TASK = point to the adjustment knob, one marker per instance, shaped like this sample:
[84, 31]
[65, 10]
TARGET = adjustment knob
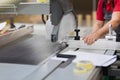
[77, 37]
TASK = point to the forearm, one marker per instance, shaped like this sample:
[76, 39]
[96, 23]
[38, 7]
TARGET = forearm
[97, 26]
[105, 29]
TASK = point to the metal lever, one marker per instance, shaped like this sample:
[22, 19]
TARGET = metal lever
[110, 35]
[110, 30]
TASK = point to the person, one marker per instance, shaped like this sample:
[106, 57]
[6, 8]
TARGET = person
[108, 13]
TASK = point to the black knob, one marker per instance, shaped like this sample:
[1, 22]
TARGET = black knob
[77, 37]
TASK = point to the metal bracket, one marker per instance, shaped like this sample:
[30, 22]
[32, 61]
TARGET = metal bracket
[54, 34]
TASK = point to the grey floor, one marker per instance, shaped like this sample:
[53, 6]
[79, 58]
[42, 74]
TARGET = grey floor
[31, 49]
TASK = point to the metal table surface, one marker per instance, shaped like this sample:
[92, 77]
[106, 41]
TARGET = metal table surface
[33, 49]
[51, 70]
[59, 74]
[30, 49]
[68, 74]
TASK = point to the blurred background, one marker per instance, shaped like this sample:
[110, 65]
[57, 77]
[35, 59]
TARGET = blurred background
[86, 13]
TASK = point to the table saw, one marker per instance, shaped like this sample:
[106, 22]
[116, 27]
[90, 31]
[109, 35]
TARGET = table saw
[29, 58]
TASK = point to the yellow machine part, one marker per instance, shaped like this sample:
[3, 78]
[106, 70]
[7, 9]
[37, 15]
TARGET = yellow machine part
[42, 1]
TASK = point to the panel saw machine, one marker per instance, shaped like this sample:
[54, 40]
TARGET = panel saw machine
[60, 28]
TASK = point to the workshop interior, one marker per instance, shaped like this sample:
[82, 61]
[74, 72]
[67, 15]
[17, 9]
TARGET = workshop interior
[42, 40]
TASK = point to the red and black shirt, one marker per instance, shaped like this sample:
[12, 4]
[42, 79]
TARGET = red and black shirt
[109, 8]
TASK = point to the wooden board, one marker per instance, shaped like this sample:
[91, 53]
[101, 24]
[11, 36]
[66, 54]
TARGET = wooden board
[13, 35]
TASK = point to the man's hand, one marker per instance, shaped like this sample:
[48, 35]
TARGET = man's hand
[91, 38]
